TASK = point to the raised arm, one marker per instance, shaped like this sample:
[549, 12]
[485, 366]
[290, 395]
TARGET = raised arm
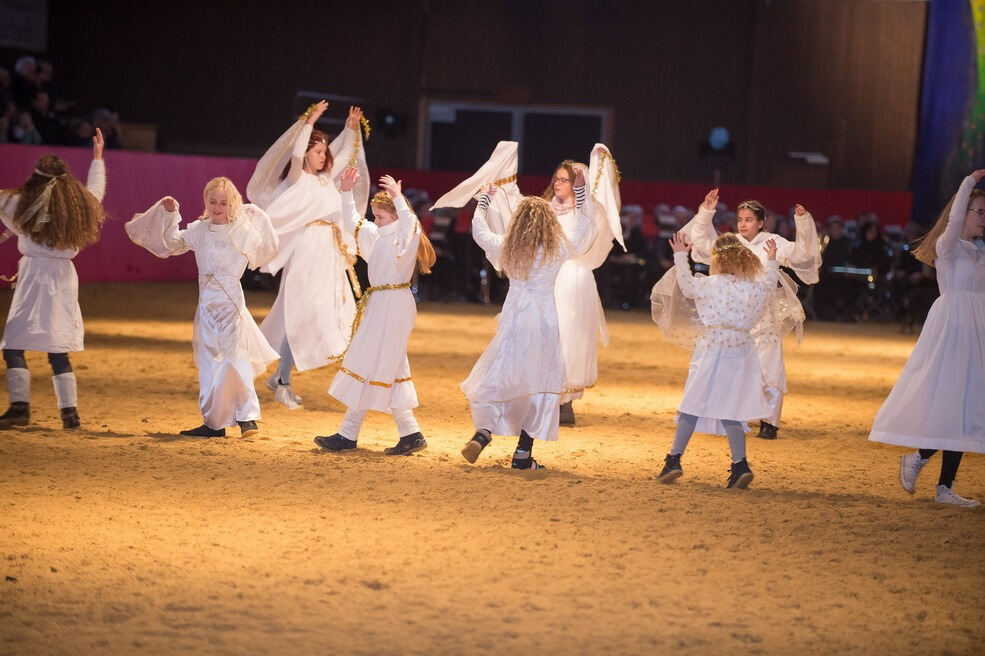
[772, 274]
[364, 232]
[96, 181]
[700, 231]
[803, 255]
[487, 240]
[583, 232]
[346, 146]
[157, 229]
[682, 269]
[955, 219]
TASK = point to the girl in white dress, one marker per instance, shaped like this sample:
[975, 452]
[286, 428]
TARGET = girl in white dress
[803, 256]
[295, 184]
[375, 373]
[581, 318]
[54, 217]
[936, 404]
[514, 387]
[724, 381]
[230, 351]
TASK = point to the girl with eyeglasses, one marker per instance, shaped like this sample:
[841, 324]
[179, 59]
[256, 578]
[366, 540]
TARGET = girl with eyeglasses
[936, 404]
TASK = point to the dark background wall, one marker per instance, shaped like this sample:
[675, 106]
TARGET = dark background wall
[837, 76]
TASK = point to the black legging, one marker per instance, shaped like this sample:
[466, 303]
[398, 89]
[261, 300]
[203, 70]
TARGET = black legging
[14, 358]
[949, 464]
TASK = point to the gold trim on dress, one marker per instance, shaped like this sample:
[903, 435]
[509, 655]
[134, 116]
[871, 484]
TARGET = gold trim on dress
[598, 174]
[375, 383]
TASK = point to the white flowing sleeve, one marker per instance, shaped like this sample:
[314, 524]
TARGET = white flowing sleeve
[364, 232]
[263, 184]
[685, 279]
[157, 231]
[489, 241]
[96, 181]
[253, 235]
[672, 309]
[606, 199]
[700, 233]
[347, 150]
[803, 255]
[955, 220]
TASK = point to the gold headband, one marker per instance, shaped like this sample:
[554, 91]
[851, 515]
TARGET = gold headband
[383, 199]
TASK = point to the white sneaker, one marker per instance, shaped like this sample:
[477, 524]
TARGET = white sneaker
[909, 468]
[947, 495]
[286, 395]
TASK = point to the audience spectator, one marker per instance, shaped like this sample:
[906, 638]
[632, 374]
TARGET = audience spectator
[24, 131]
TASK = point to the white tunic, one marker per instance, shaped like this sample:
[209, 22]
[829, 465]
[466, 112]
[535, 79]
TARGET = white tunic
[315, 305]
[517, 381]
[581, 318]
[937, 402]
[375, 373]
[230, 351]
[44, 313]
[803, 256]
[724, 379]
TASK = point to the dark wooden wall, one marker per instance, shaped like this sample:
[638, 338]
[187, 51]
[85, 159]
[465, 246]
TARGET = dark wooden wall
[839, 76]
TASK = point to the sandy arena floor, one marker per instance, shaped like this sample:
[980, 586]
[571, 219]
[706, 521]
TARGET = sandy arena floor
[125, 538]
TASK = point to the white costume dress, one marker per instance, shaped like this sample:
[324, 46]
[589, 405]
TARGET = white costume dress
[230, 351]
[44, 313]
[375, 373]
[803, 256]
[517, 381]
[724, 379]
[937, 401]
[315, 307]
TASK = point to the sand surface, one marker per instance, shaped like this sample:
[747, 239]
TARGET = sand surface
[125, 538]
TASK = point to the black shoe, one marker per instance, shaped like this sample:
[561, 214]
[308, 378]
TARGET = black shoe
[335, 442]
[740, 476]
[567, 415]
[248, 428]
[672, 469]
[204, 431]
[18, 414]
[475, 446]
[407, 445]
[526, 462]
[70, 418]
[767, 431]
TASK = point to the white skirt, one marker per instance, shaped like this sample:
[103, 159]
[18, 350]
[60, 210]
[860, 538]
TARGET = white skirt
[315, 306]
[44, 313]
[724, 382]
[581, 321]
[937, 402]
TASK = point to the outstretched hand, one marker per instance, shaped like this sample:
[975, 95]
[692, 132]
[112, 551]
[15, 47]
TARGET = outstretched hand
[97, 144]
[391, 185]
[579, 178]
[169, 203]
[978, 175]
[711, 200]
[678, 244]
[770, 246]
[349, 178]
[318, 110]
[489, 189]
[355, 114]
[799, 210]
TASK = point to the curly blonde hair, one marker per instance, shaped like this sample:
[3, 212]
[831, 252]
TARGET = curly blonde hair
[233, 197]
[926, 246]
[729, 255]
[534, 231]
[73, 217]
[426, 257]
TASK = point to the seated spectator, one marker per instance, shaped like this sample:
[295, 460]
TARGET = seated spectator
[48, 124]
[24, 131]
[78, 132]
[25, 82]
[835, 293]
[109, 123]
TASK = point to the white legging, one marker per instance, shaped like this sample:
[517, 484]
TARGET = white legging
[353, 420]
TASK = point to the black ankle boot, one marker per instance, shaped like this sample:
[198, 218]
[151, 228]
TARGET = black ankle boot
[407, 445]
[566, 416]
[767, 431]
[474, 447]
[672, 469]
[70, 418]
[204, 431]
[18, 414]
[248, 428]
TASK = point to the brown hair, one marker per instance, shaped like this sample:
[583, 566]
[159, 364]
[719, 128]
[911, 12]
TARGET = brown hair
[729, 255]
[755, 207]
[569, 166]
[534, 228]
[72, 217]
[926, 246]
[426, 256]
[317, 137]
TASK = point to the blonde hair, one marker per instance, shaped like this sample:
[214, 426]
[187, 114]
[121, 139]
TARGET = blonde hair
[426, 256]
[71, 217]
[729, 255]
[926, 246]
[232, 195]
[534, 229]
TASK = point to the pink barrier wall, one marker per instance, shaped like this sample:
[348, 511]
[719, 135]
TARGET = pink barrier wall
[136, 180]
